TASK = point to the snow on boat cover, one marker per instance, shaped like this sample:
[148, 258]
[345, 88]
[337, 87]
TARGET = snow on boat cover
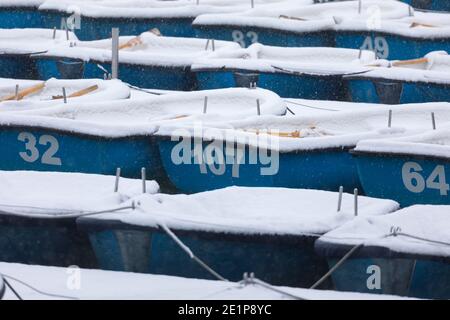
[99, 284]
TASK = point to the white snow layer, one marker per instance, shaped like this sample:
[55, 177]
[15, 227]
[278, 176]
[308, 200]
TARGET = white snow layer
[98, 284]
[52, 94]
[33, 193]
[142, 116]
[251, 211]
[424, 221]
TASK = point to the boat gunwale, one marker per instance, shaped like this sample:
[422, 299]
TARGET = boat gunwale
[387, 154]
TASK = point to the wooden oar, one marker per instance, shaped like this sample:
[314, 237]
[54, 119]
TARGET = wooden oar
[418, 24]
[25, 92]
[410, 62]
[292, 18]
[79, 93]
[136, 41]
[293, 134]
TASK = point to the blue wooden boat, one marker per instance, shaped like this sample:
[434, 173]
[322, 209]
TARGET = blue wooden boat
[20, 14]
[400, 263]
[290, 72]
[94, 20]
[146, 61]
[38, 212]
[416, 168]
[17, 46]
[408, 81]
[295, 152]
[290, 24]
[435, 5]
[409, 37]
[274, 241]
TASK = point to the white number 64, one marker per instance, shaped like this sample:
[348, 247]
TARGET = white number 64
[415, 182]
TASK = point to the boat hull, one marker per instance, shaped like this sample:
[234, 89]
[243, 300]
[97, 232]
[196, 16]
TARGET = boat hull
[316, 169]
[399, 274]
[303, 86]
[156, 77]
[246, 36]
[45, 149]
[385, 91]
[17, 66]
[279, 260]
[100, 28]
[407, 179]
[20, 17]
[39, 241]
[435, 5]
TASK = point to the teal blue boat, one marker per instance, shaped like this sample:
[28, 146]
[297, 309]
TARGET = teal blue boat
[20, 14]
[265, 234]
[405, 253]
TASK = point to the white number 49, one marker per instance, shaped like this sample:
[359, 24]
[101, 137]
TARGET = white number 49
[415, 182]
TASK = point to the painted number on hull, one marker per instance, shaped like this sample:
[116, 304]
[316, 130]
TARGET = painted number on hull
[379, 45]
[239, 37]
[416, 183]
[31, 153]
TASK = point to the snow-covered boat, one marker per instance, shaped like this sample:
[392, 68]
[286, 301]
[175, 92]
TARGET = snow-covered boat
[91, 284]
[308, 73]
[22, 95]
[233, 230]
[434, 5]
[406, 253]
[409, 37]
[304, 151]
[93, 20]
[38, 212]
[147, 60]
[294, 23]
[99, 137]
[404, 81]
[413, 169]
[18, 45]
[20, 14]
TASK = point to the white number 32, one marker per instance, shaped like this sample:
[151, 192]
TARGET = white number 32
[31, 153]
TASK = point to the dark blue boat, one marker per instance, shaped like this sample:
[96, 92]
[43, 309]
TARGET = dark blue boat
[396, 256]
[417, 169]
[146, 61]
[230, 242]
[21, 14]
[409, 81]
[435, 5]
[308, 73]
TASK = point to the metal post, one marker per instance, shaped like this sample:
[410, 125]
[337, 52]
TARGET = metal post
[67, 31]
[341, 190]
[359, 6]
[253, 3]
[213, 45]
[355, 193]
[410, 11]
[17, 92]
[115, 53]
[116, 185]
[64, 95]
[205, 105]
[207, 45]
[144, 184]
[258, 107]
[54, 33]
[390, 119]
[433, 120]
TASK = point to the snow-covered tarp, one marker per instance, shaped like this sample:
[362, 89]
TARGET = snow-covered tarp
[153, 8]
[424, 221]
[315, 131]
[433, 143]
[51, 94]
[241, 210]
[433, 68]
[313, 60]
[123, 118]
[53, 194]
[291, 16]
[99, 284]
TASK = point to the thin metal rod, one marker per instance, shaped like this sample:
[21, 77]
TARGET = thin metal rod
[390, 119]
[64, 95]
[341, 190]
[359, 6]
[258, 107]
[355, 194]
[17, 92]
[207, 45]
[253, 3]
[12, 289]
[116, 185]
[54, 33]
[433, 120]
[144, 180]
[213, 45]
[115, 53]
[205, 105]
